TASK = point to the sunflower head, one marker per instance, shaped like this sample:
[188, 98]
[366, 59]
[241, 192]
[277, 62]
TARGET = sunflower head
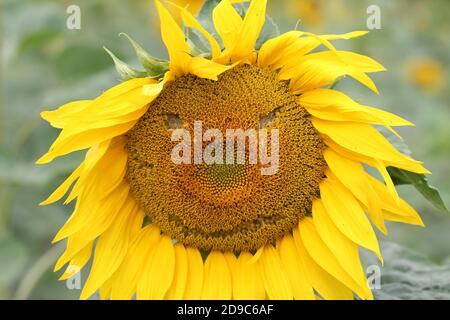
[221, 228]
[226, 205]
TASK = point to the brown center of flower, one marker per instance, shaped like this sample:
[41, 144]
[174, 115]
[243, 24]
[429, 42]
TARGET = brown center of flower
[225, 206]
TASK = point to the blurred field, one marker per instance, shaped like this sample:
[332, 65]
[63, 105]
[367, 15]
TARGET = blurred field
[43, 65]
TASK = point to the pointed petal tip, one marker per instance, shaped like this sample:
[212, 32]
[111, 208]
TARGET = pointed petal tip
[58, 238]
[45, 159]
[40, 161]
[56, 268]
[44, 115]
[65, 276]
[256, 256]
[44, 203]
[383, 229]
[59, 264]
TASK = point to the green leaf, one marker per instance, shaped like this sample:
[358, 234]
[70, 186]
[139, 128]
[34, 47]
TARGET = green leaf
[404, 177]
[155, 67]
[38, 39]
[409, 276]
[126, 71]
[420, 182]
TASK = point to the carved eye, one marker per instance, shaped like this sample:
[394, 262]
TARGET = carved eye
[173, 121]
[266, 120]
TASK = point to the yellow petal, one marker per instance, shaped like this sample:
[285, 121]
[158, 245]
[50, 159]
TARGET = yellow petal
[123, 89]
[232, 265]
[103, 120]
[95, 161]
[247, 280]
[274, 275]
[190, 22]
[325, 284]
[194, 281]
[125, 279]
[181, 62]
[64, 187]
[158, 273]
[76, 263]
[176, 290]
[256, 256]
[323, 68]
[206, 69]
[345, 36]
[293, 53]
[399, 211]
[345, 250]
[72, 111]
[333, 105]
[112, 246]
[96, 225]
[251, 28]
[153, 90]
[352, 175]
[272, 50]
[174, 39]
[83, 140]
[96, 196]
[381, 166]
[413, 220]
[231, 260]
[63, 115]
[67, 113]
[92, 159]
[361, 62]
[105, 290]
[368, 142]
[323, 256]
[410, 166]
[289, 48]
[217, 280]
[348, 215]
[301, 288]
[228, 23]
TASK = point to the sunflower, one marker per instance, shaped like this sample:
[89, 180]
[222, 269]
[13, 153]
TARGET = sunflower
[427, 74]
[308, 11]
[164, 231]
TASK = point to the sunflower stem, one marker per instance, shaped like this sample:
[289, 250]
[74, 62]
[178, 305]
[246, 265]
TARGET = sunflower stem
[36, 272]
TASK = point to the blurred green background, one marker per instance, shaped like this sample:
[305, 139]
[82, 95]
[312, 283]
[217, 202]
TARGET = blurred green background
[44, 65]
